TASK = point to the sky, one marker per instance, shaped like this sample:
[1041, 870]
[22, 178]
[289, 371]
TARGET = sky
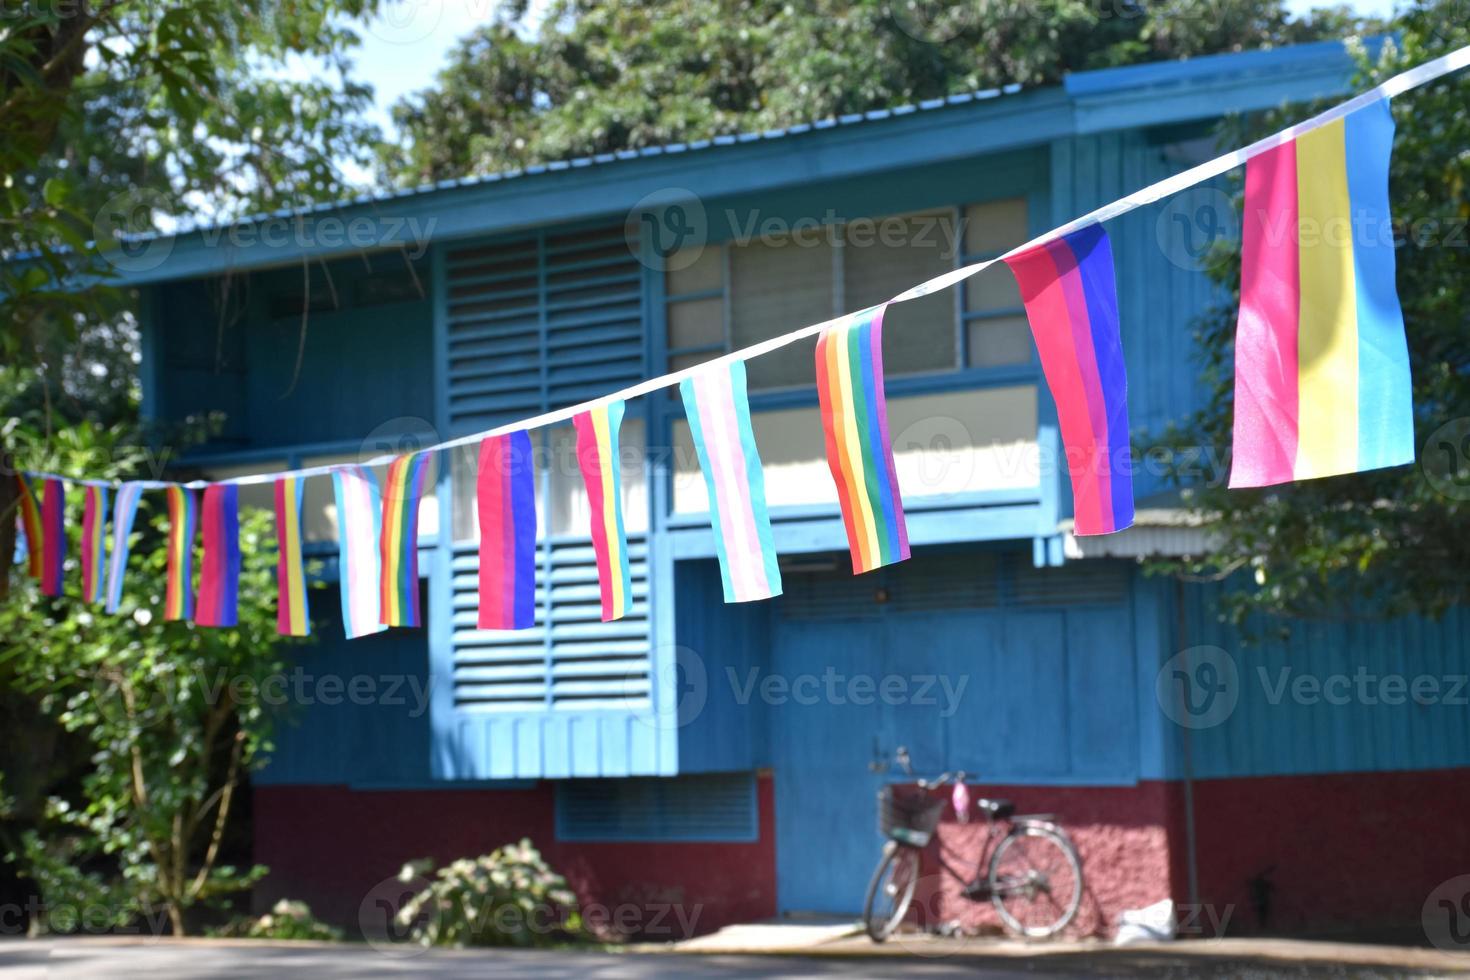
[406, 45]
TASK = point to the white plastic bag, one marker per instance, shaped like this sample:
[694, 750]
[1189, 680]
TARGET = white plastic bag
[1152, 924]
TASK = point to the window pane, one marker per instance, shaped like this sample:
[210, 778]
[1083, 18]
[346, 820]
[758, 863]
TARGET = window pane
[706, 270]
[778, 286]
[993, 289]
[697, 323]
[882, 258]
[1001, 340]
[997, 226]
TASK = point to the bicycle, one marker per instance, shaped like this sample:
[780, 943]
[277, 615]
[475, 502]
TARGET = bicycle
[1032, 874]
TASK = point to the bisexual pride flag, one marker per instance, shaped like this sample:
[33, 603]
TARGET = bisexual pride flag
[219, 568]
[506, 493]
[1071, 300]
[1322, 381]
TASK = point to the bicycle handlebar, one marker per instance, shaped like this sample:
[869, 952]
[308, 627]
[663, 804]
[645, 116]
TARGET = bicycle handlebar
[901, 756]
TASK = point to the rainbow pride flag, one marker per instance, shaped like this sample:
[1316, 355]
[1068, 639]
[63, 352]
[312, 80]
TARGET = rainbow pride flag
[1322, 382]
[94, 543]
[292, 616]
[183, 520]
[359, 509]
[719, 422]
[398, 542]
[598, 458]
[1071, 299]
[219, 568]
[124, 510]
[53, 536]
[859, 454]
[507, 498]
[30, 523]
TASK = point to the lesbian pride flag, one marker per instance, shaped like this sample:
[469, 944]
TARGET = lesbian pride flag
[94, 543]
[719, 422]
[598, 459]
[1321, 363]
[506, 494]
[218, 603]
[1071, 301]
[855, 427]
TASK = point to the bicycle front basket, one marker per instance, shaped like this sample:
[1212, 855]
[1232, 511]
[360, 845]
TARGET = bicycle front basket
[908, 814]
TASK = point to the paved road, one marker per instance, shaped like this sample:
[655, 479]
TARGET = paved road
[163, 960]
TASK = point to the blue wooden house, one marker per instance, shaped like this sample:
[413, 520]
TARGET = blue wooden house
[722, 760]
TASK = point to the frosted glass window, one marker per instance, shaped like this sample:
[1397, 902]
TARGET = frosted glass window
[778, 285]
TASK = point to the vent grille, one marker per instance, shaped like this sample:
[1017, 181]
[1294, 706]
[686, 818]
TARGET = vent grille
[714, 807]
[571, 659]
[934, 582]
[541, 322]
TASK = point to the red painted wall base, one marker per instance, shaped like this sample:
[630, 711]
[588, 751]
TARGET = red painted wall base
[337, 849]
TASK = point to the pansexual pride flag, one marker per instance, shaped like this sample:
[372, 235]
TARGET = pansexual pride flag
[597, 457]
[1321, 362]
[719, 422]
[398, 542]
[855, 426]
[183, 519]
[53, 535]
[94, 543]
[124, 509]
[1071, 299]
[292, 616]
[30, 522]
[507, 499]
[359, 505]
[219, 568]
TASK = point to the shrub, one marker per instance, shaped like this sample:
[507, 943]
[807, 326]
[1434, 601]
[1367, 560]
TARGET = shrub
[285, 920]
[510, 897]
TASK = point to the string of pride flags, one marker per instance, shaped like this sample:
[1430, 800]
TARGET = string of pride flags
[1322, 387]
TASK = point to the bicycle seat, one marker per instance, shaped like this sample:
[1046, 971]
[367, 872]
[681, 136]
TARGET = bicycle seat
[997, 809]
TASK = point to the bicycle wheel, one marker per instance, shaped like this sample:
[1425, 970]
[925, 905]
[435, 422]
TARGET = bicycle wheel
[1036, 881]
[891, 890]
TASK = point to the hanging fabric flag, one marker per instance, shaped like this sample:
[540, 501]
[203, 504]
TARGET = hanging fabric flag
[1071, 299]
[292, 616]
[1322, 382]
[183, 520]
[358, 529]
[398, 542]
[855, 427]
[507, 498]
[719, 423]
[123, 511]
[598, 458]
[219, 568]
[94, 543]
[30, 522]
[53, 535]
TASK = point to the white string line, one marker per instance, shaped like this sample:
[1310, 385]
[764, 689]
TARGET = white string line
[1397, 85]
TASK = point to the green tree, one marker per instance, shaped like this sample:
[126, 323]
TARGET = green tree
[1389, 541]
[600, 77]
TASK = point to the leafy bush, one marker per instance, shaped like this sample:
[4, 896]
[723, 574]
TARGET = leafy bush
[510, 897]
[285, 920]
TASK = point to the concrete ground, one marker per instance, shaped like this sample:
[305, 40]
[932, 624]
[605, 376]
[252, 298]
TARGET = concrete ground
[162, 959]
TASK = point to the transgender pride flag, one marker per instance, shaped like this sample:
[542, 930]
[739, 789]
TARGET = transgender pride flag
[1071, 300]
[719, 422]
[1322, 381]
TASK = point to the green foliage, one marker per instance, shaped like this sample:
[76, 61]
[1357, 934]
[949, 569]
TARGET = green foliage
[285, 920]
[601, 77]
[166, 712]
[510, 897]
[1389, 541]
